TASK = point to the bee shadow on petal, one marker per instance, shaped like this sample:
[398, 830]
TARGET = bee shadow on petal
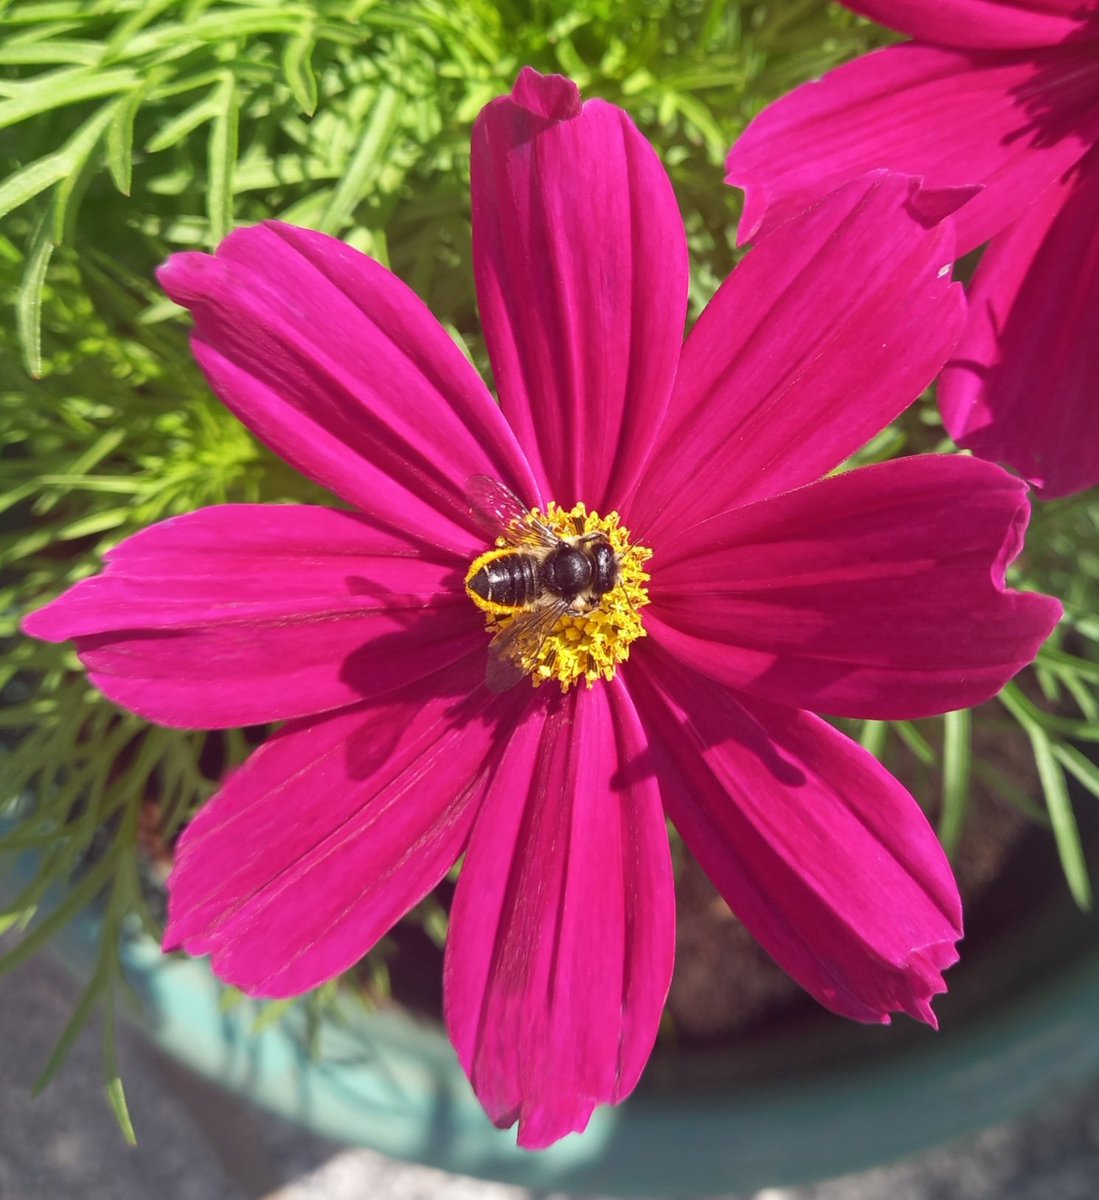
[436, 648]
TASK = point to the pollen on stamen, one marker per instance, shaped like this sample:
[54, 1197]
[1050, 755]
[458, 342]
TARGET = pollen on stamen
[589, 646]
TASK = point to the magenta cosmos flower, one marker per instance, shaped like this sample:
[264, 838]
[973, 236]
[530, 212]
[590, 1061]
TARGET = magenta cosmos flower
[998, 93]
[876, 593]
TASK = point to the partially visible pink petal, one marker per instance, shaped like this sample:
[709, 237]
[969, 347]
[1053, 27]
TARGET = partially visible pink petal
[1012, 121]
[341, 369]
[248, 613]
[1023, 387]
[821, 853]
[581, 265]
[986, 24]
[333, 830]
[876, 593]
[802, 356]
[559, 955]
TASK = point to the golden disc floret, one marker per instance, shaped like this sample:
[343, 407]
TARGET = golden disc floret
[587, 645]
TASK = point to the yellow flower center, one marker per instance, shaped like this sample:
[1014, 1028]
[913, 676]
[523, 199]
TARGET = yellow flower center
[588, 641]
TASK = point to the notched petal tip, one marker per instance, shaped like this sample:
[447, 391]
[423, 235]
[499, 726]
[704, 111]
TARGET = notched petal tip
[43, 624]
[756, 202]
[925, 966]
[539, 1129]
[916, 979]
[1047, 610]
[551, 96]
[929, 206]
[1014, 531]
[190, 277]
[193, 276]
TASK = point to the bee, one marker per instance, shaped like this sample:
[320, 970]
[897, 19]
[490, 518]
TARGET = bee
[538, 577]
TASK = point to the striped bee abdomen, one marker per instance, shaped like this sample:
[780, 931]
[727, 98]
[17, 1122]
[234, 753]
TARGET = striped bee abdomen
[512, 580]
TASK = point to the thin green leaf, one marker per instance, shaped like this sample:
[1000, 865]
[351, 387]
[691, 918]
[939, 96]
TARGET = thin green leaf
[105, 444]
[1065, 831]
[874, 736]
[957, 758]
[55, 89]
[176, 87]
[80, 150]
[122, 37]
[380, 983]
[436, 925]
[229, 999]
[63, 167]
[49, 10]
[1058, 660]
[271, 1013]
[298, 69]
[221, 157]
[49, 52]
[24, 185]
[120, 140]
[19, 547]
[1085, 625]
[92, 483]
[28, 306]
[117, 1096]
[115, 1092]
[1024, 710]
[916, 742]
[82, 894]
[366, 162]
[76, 1023]
[175, 130]
[1049, 682]
[9, 921]
[1079, 765]
[109, 518]
[228, 24]
[1085, 698]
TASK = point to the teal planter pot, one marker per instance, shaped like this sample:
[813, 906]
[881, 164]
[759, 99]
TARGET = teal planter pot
[805, 1099]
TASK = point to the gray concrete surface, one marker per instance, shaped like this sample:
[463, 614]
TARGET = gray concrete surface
[197, 1143]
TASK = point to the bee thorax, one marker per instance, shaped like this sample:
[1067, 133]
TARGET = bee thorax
[567, 571]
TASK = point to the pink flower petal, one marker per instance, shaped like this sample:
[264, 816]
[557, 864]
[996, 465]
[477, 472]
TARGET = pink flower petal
[1024, 384]
[581, 265]
[333, 830]
[342, 370]
[826, 859]
[986, 24]
[802, 356]
[877, 593]
[248, 613]
[1012, 121]
[559, 955]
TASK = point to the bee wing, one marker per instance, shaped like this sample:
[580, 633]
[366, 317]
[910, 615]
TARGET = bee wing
[499, 511]
[533, 626]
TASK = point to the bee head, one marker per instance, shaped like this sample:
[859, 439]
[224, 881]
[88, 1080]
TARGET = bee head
[605, 566]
